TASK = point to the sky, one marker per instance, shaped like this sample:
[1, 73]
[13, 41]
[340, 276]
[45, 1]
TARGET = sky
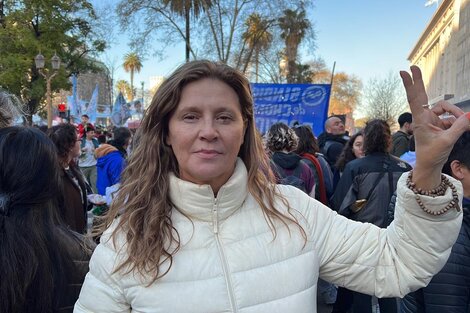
[367, 38]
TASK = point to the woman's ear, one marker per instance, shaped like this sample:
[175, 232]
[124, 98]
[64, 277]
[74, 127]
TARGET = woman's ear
[457, 170]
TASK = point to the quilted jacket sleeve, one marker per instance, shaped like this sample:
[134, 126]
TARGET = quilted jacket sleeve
[101, 291]
[387, 262]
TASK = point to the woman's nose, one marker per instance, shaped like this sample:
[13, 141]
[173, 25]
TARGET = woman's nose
[208, 131]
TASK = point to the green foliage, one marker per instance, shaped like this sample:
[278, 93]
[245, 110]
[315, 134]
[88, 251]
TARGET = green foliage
[257, 38]
[125, 88]
[228, 31]
[294, 26]
[132, 63]
[46, 26]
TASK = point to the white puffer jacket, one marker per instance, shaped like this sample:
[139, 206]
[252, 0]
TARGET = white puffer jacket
[229, 261]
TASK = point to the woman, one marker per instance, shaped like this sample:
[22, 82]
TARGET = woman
[198, 224]
[42, 263]
[288, 166]
[365, 190]
[308, 149]
[449, 290]
[73, 195]
[352, 150]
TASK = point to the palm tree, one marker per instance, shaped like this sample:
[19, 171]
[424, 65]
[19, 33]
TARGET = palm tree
[183, 8]
[124, 87]
[257, 37]
[294, 26]
[132, 63]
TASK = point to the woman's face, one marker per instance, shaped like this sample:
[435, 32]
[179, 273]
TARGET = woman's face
[357, 147]
[206, 132]
[75, 150]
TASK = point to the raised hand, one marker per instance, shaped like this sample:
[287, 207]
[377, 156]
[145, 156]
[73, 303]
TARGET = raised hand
[435, 130]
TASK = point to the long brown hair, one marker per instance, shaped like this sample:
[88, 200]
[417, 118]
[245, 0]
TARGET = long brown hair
[143, 200]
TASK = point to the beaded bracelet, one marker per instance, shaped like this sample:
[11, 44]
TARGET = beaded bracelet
[438, 191]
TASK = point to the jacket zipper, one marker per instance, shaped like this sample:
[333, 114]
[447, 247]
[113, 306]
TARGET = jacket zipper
[228, 280]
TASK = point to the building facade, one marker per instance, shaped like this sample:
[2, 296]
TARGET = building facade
[443, 54]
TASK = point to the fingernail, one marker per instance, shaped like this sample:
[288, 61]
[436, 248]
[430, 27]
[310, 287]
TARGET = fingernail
[467, 115]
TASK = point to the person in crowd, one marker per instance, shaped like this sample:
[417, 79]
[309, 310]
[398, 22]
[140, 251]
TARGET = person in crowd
[401, 139]
[101, 139]
[10, 109]
[410, 156]
[87, 160]
[365, 189]
[111, 159]
[42, 262]
[352, 150]
[199, 217]
[288, 166]
[333, 139]
[85, 120]
[449, 290]
[308, 149]
[73, 197]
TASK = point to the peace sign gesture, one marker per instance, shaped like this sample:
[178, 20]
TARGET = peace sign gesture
[435, 130]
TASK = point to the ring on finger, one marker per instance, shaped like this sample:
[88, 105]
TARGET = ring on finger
[425, 106]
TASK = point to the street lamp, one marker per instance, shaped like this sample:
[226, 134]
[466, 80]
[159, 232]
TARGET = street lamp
[40, 62]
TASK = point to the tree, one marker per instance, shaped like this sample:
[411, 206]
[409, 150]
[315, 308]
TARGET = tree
[294, 26]
[216, 32]
[184, 8]
[124, 87]
[257, 37]
[384, 98]
[47, 26]
[132, 63]
[346, 89]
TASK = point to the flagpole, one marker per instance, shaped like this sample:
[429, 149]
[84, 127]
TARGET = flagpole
[331, 86]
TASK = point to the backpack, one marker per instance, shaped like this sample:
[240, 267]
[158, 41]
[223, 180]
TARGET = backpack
[292, 179]
[325, 150]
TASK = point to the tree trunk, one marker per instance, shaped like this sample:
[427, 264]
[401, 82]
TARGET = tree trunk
[31, 107]
[132, 84]
[2, 12]
[188, 42]
[256, 64]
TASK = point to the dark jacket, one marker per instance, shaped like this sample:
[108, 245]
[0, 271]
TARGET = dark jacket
[287, 164]
[327, 174]
[449, 290]
[331, 146]
[109, 166]
[73, 201]
[400, 143]
[79, 249]
[360, 176]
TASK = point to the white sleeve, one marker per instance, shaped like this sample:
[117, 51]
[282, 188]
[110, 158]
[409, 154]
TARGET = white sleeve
[101, 291]
[387, 262]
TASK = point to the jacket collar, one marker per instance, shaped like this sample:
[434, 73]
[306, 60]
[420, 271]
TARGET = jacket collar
[198, 201]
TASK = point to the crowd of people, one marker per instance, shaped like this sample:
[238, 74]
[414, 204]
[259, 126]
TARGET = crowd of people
[207, 215]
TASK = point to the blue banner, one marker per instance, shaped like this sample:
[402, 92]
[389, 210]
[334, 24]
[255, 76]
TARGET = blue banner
[288, 103]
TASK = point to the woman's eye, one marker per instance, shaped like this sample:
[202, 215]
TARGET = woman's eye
[189, 117]
[225, 118]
